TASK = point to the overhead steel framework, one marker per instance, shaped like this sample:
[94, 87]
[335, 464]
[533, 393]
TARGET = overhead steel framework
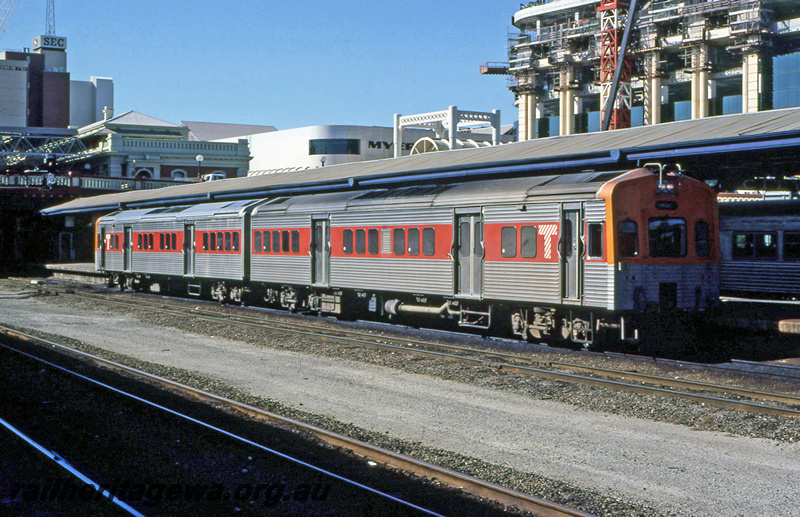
[17, 148]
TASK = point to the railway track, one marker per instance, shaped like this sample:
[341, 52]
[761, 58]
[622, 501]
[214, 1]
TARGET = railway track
[515, 363]
[375, 454]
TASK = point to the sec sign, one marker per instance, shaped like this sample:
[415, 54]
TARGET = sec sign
[50, 42]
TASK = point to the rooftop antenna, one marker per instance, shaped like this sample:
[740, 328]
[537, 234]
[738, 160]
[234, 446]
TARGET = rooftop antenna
[50, 26]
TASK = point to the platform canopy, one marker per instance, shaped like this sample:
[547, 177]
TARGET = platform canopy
[715, 139]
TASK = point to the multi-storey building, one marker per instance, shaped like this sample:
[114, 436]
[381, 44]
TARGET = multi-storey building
[36, 90]
[688, 59]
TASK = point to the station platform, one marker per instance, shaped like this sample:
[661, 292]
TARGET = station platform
[77, 272]
[789, 326]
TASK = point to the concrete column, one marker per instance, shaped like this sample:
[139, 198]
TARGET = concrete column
[652, 90]
[452, 118]
[699, 83]
[522, 117]
[751, 82]
[531, 116]
[655, 100]
[535, 114]
[566, 104]
[495, 127]
[397, 135]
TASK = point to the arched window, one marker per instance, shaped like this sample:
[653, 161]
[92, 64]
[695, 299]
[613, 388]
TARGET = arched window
[143, 174]
[179, 174]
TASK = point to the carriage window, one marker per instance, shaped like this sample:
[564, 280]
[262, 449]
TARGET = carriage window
[628, 238]
[413, 241]
[276, 241]
[213, 245]
[527, 236]
[139, 241]
[595, 240]
[161, 241]
[766, 244]
[318, 238]
[220, 241]
[463, 240]
[399, 241]
[235, 241]
[508, 241]
[478, 245]
[227, 241]
[567, 239]
[361, 237]
[791, 245]
[295, 241]
[347, 242]
[428, 241]
[285, 241]
[257, 242]
[372, 241]
[702, 242]
[267, 241]
[667, 237]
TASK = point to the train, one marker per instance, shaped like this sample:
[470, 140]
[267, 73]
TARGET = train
[583, 258]
[760, 249]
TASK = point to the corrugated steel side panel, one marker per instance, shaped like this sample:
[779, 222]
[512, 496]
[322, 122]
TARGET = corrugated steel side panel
[594, 211]
[158, 263]
[417, 276]
[161, 226]
[223, 266]
[772, 277]
[522, 281]
[114, 261]
[649, 276]
[222, 223]
[279, 220]
[281, 269]
[390, 217]
[595, 284]
[536, 212]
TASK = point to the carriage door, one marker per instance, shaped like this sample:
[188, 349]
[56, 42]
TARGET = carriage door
[126, 248]
[188, 250]
[469, 254]
[570, 253]
[102, 245]
[320, 253]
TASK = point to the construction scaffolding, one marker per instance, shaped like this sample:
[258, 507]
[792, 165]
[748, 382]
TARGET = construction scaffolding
[684, 56]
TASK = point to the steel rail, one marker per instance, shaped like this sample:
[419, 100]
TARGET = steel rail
[222, 431]
[64, 464]
[464, 482]
[605, 372]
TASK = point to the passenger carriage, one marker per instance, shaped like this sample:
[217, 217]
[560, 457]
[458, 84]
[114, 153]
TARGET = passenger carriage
[760, 243]
[570, 256]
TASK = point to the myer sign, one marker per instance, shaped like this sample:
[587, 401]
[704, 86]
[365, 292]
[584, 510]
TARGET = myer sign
[50, 42]
[387, 145]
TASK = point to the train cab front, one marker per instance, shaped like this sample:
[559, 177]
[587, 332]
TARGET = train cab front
[663, 241]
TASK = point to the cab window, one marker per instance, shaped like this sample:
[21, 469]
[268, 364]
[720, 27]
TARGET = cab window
[667, 236]
[628, 238]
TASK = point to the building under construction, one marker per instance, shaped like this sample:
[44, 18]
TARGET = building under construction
[651, 61]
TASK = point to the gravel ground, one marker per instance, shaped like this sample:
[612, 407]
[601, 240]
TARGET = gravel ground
[616, 453]
[136, 450]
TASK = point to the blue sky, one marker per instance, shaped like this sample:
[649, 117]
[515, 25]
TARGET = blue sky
[287, 64]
